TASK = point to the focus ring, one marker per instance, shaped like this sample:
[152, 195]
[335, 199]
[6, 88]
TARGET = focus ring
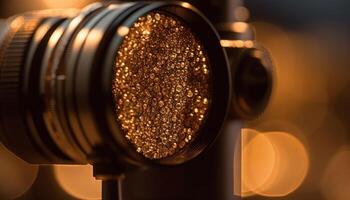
[12, 59]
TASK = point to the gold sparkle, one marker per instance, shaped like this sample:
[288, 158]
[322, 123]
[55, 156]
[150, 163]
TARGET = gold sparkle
[157, 86]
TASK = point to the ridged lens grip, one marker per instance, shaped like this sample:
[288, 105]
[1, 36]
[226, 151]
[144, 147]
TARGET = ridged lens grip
[13, 49]
[21, 46]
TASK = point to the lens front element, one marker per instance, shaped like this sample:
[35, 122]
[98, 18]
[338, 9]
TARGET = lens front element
[161, 86]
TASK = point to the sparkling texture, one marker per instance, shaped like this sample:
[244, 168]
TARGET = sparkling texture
[161, 85]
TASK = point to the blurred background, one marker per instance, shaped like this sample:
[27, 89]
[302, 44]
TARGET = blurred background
[298, 149]
[304, 134]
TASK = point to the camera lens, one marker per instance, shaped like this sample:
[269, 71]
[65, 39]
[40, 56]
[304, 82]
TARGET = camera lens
[161, 85]
[138, 83]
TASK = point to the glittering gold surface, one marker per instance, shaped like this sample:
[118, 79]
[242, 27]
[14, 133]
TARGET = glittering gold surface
[161, 86]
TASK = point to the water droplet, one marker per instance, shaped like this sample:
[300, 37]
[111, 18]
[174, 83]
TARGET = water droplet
[174, 118]
[157, 16]
[205, 101]
[149, 18]
[189, 137]
[146, 32]
[205, 71]
[178, 88]
[178, 105]
[189, 94]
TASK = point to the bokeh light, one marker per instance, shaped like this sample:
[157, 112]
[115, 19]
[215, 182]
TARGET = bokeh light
[292, 164]
[258, 161]
[78, 181]
[274, 164]
[335, 184]
[16, 175]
